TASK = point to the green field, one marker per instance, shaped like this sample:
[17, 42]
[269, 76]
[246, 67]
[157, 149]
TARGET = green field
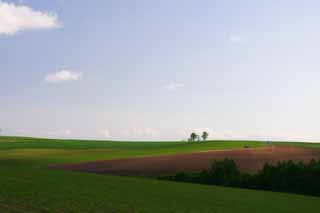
[27, 185]
[67, 151]
[300, 144]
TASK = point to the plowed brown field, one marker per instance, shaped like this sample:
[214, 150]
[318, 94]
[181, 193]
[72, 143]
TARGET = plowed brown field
[248, 160]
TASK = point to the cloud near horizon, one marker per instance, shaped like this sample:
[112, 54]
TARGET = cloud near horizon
[61, 76]
[105, 133]
[173, 86]
[15, 18]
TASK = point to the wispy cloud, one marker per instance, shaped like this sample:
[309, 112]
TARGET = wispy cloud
[61, 76]
[105, 133]
[15, 18]
[66, 132]
[236, 39]
[173, 86]
[140, 133]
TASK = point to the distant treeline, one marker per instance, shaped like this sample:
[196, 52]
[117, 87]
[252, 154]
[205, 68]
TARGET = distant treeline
[286, 176]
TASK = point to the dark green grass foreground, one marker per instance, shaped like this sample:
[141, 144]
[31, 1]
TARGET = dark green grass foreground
[26, 185]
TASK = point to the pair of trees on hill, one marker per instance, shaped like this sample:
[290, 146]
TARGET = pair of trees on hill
[195, 137]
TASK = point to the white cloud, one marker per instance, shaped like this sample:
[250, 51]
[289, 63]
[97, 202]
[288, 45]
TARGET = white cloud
[173, 86]
[131, 133]
[66, 132]
[15, 18]
[63, 75]
[140, 133]
[51, 133]
[235, 39]
[105, 133]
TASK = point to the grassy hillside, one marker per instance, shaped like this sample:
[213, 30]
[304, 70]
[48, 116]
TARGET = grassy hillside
[300, 144]
[23, 142]
[67, 151]
[28, 186]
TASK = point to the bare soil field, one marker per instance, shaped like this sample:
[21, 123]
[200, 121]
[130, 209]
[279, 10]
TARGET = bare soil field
[248, 160]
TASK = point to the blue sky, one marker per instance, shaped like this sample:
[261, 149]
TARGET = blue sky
[157, 70]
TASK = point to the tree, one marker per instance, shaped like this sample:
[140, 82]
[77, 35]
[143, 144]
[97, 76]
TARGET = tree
[193, 136]
[204, 135]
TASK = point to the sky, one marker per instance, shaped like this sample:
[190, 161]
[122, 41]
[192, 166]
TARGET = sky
[158, 70]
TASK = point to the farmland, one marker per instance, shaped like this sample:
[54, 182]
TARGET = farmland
[28, 185]
[249, 160]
